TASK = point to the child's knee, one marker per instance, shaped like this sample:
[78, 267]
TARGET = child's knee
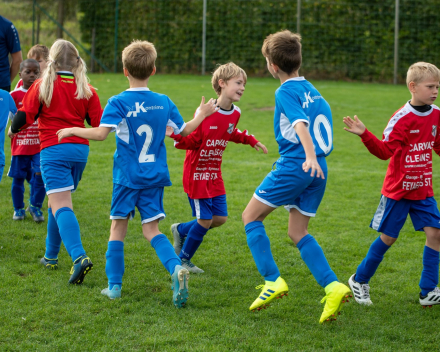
[388, 240]
[218, 221]
[206, 223]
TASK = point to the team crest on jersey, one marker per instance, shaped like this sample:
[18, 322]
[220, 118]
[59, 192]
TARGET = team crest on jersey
[434, 130]
[231, 128]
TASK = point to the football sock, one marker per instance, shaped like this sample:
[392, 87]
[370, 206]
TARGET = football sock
[429, 279]
[165, 251]
[259, 245]
[69, 232]
[53, 238]
[37, 191]
[184, 227]
[369, 265]
[193, 241]
[114, 266]
[313, 255]
[17, 192]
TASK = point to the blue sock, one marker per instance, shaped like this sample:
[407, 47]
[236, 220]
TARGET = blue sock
[429, 279]
[38, 191]
[115, 267]
[165, 252]
[259, 245]
[69, 232]
[53, 238]
[17, 192]
[184, 227]
[369, 265]
[193, 241]
[313, 255]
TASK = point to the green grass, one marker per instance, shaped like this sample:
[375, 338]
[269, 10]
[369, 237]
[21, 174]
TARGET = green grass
[39, 311]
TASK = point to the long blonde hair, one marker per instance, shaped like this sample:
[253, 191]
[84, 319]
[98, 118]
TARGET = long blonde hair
[64, 56]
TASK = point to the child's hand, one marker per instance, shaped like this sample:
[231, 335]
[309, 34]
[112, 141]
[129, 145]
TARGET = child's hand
[261, 146]
[10, 134]
[209, 108]
[313, 164]
[64, 133]
[169, 131]
[354, 126]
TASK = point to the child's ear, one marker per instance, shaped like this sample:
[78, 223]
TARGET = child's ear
[412, 87]
[222, 83]
[125, 72]
[154, 71]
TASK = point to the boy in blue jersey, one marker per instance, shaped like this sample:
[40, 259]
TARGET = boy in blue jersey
[299, 180]
[140, 172]
[7, 109]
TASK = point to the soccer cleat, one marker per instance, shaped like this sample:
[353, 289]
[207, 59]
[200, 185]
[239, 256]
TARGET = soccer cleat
[178, 240]
[188, 265]
[360, 291]
[49, 263]
[115, 292]
[19, 214]
[271, 290]
[338, 295]
[431, 298]
[179, 285]
[36, 213]
[80, 269]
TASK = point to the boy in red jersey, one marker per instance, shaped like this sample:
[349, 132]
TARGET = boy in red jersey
[39, 53]
[25, 150]
[408, 139]
[202, 178]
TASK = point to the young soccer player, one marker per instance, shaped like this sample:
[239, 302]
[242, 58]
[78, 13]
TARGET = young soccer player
[202, 177]
[7, 110]
[408, 139]
[62, 98]
[39, 53]
[25, 150]
[299, 178]
[140, 173]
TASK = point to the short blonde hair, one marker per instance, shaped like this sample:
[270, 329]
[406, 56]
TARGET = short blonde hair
[226, 72]
[139, 58]
[284, 50]
[38, 52]
[421, 71]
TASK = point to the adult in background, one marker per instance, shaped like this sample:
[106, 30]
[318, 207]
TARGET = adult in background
[9, 44]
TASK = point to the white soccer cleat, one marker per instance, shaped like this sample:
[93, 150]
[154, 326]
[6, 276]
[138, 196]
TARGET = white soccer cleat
[192, 268]
[431, 298]
[361, 292]
[178, 241]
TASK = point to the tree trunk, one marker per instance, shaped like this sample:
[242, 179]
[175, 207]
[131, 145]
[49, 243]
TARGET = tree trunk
[60, 18]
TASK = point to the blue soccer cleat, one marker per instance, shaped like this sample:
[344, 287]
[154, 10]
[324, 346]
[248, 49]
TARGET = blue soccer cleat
[179, 286]
[80, 269]
[115, 292]
[19, 214]
[49, 263]
[36, 213]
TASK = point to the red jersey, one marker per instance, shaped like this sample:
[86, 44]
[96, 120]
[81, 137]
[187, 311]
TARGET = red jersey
[408, 139]
[202, 176]
[19, 84]
[64, 111]
[25, 142]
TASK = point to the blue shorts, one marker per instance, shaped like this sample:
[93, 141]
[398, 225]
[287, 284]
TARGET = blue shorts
[206, 208]
[391, 215]
[60, 176]
[24, 166]
[289, 185]
[149, 202]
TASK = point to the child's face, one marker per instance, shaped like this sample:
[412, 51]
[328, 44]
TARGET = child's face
[234, 88]
[42, 62]
[425, 92]
[29, 74]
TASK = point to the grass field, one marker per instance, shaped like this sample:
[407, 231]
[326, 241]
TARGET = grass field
[39, 311]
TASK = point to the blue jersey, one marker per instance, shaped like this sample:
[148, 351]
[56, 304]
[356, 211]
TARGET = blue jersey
[297, 100]
[9, 44]
[140, 118]
[7, 109]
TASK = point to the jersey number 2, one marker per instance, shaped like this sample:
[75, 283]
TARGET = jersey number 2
[143, 156]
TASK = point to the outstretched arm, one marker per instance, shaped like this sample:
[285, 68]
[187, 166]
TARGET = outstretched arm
[355, 125]
[203, 112]
[307, 143]
[95, 134]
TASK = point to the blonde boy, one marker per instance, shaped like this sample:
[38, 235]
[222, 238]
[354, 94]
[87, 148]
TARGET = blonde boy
[140, 173]
[408, 139]
[202, 177]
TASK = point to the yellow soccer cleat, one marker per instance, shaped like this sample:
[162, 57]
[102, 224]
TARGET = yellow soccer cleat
[271, 290]
[337, 294]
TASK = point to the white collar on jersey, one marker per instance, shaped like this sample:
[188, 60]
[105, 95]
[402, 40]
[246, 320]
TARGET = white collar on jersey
[138, 89]
[295, 79]
[418, 113]
[65, 72]
[22, 89]
[227, 112]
